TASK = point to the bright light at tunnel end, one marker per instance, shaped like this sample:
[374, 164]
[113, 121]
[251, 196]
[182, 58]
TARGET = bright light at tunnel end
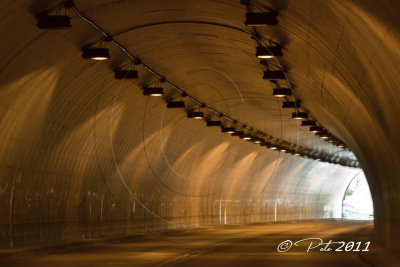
[357, 201]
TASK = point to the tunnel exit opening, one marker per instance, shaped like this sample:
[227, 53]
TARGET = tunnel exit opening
[357, 201]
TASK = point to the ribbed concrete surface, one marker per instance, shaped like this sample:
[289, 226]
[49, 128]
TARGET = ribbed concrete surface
[83, 155]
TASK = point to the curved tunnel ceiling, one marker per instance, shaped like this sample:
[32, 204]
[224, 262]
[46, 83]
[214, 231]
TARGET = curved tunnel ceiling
[89, 148]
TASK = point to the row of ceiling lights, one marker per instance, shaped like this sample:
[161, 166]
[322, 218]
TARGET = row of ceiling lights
[257, 137]
[264, 52]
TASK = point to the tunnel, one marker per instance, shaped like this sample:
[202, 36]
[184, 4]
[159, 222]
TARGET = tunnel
[181, 129]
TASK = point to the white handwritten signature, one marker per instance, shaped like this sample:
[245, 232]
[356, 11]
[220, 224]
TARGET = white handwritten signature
[325, 247]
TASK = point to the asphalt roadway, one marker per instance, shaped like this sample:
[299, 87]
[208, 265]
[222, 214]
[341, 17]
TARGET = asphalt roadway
[230, 245]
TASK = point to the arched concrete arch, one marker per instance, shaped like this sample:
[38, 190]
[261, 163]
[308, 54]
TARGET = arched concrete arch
[80, 152]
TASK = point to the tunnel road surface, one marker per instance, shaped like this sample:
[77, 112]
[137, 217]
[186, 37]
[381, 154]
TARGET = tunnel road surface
[230, 245]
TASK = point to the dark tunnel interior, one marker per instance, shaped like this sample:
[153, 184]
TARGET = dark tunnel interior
[130, 118]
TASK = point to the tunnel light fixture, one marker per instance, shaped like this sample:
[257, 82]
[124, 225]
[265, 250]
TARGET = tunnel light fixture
[268, 51]
[238, 133]
[316, 129]
[246, 137]
[299, 115]
[324, 135]
[125, 74]
[274, 75]
[341, 146]
[95, 53]
[257, 140]
[49, 22]
[308, 123]
[154, 91]
[195, 115]
[229, 130]
[175, 104]
[267, 144]
[290, 104]
[260, 19]
[271, 146]
[213, 123]
[282, 92]
[296, 154]
[282, 149]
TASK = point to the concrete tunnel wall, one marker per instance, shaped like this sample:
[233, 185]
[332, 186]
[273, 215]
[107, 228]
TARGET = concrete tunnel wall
[83, 155]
